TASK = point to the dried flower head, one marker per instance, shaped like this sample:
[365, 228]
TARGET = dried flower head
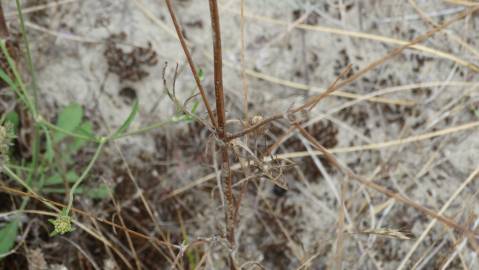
[6, 136]
[256, 120]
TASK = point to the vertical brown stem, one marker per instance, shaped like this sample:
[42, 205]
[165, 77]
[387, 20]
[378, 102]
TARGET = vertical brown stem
[3, 24]
[218, 67]
[220, 110]
[190, 60]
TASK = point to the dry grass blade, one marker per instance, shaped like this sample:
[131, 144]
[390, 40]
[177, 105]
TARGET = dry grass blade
[335, 86]
[83, 252]
[456, 38]
[422, 48]
[105, 241]
[304, 87]
[128, 238]
[463, 3]
[83, 213]
[309, 104]
[398, 197]
[415, 41]
[429, 227]
[389, 233]
[300, 154]
[77, 223]
[381, 145]
[340, 232]
[40, 7]
[271, 178]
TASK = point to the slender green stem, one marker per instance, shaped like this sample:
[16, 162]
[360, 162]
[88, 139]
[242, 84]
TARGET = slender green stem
[22, 92]
[36, 131]
[17, 178]
[109, 138]
[35, 153]
[41, 121]
[19, 168]
[85, 173]
[140, 130]
[29, 54]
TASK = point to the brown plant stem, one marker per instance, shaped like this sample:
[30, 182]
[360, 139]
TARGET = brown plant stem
[190, 61]
[220, 110]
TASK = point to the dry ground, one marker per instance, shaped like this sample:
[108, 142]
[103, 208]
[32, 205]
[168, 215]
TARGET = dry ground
[409, 125]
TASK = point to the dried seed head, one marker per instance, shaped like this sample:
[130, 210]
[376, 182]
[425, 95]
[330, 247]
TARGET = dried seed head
[256, 120]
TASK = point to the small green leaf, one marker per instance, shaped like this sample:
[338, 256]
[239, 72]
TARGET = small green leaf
[49, 154]
[56, 179]
[68, 119]
[85, 129]
[128, 120]
[195, 106]
[179, 118]
[8, 234]
[6, 79]
[13, 118]
[100, 192]
[201, 74]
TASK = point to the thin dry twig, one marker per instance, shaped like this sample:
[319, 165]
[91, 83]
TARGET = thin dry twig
[221, 117]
